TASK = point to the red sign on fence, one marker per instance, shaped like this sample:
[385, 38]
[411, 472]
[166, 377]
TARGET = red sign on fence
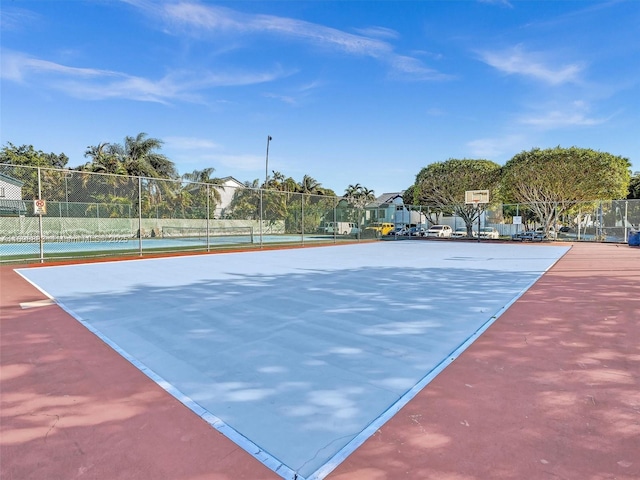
[39, 207]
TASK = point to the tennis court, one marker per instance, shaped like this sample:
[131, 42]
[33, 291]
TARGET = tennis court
[298, 356]
[61, 246]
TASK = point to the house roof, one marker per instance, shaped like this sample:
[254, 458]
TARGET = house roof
[230, 181]
[11, 180]
[384, 200]
[14, 207]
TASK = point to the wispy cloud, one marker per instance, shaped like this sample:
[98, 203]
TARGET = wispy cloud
[496, 147]
[240, 162]
[97, 84]
[379, 32]
[501, 3]
[575, 114]
[18, 67]
[190, 143]
[202, 19]
[517, 61]
[12, 19]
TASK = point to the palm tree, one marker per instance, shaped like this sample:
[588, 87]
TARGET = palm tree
[204, 176]
[105, 158]
[310, 185]
[367, 195]
[142, 160]
[359, 196]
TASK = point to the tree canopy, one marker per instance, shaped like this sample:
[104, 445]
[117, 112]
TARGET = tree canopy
[358, 196]
[138, 156]
[29, 156]
[634, 187]
[553, 180]
[442, 186]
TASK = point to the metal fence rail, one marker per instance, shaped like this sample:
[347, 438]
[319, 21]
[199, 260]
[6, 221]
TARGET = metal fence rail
[92, 214]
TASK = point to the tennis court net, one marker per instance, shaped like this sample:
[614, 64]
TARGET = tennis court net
[236, 234]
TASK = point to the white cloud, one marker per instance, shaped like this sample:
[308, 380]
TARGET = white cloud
[560, 119]
[379, 32]
[16, 66]
[243, 162]
[190, 143]
[503, 3]
[575, 114]
[96, 84]
[517, 61]
[199, 19]
[492, 148]
[416, 69]
[16, 19]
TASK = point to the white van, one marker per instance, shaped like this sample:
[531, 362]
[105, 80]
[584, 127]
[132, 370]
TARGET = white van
[341, 228]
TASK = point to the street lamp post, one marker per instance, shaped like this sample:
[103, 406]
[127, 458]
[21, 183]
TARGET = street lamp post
[266, 165]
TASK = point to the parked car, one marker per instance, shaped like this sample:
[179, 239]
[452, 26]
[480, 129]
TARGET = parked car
[528, 236]
[551, 233]
[462, 233]
[415, 231]
[489, 232]
[399, 231]
[459, 233]
[340, 228]
[378, 229]
[441, 231]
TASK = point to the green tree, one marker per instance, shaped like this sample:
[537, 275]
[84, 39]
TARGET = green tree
[196, 185]
[29, 156]
[16, 157]
[245, 204]
[142, 159]
[554, 180]
[634, 187]
[441, 186]
[105, 158]
[310, 185]
[358, 196]
[350, 208]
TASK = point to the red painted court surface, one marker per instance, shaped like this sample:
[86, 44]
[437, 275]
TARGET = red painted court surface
[550, 390]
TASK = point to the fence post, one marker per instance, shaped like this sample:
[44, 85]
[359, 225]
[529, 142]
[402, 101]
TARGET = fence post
[302, 214]
[40, 219]
[335, 220]
[261, 210]
[626, 229]
[208, 245]
[140, 216]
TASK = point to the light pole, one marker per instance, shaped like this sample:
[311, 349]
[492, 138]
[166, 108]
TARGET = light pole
[266, 165]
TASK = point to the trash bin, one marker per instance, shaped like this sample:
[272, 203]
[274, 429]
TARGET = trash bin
[634, 239]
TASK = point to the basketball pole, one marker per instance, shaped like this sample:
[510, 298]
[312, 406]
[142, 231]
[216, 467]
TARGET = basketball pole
[478, 208]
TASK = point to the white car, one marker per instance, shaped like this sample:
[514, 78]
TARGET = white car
[462, 233]
[550, 234]
[489, 232]
[441, 231]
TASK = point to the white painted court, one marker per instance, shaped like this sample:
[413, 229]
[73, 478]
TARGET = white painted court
[298, 355]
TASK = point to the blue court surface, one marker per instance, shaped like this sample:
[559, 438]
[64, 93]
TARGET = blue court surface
[298, 355]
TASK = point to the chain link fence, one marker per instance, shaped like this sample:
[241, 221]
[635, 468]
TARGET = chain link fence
[50, 214]
[91, 214]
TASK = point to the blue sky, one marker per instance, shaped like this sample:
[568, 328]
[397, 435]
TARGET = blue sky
[352, 92]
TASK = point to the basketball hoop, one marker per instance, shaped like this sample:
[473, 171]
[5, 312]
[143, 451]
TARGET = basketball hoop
[476, 197]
